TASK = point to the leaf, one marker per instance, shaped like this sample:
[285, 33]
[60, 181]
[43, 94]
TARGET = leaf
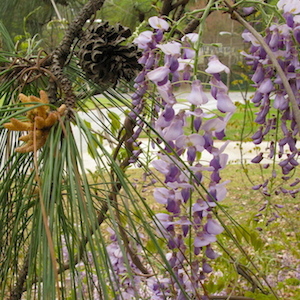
[115, 123]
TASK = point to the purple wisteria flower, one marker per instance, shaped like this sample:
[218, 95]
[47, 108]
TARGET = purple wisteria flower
[175, 224]
[215, 66]
[282, 38]
[166, 64]
[158, 23]
[197, 95]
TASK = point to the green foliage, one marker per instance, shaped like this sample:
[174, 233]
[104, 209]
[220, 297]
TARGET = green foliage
[130, 13]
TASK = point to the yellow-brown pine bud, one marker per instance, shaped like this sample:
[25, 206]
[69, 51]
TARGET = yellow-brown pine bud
[39, 122]
[51, 119]
[61, 110]
[24, 99]
[17, 125]
[40, 140]
[44, 97]
[27, 137]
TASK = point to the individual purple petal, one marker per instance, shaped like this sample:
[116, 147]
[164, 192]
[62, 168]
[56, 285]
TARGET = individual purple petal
[186, 193]
[224, 103]
[213, 227]
[206, 267]
[290, 19]
[279, 205]
[215, 66]
[257, 159]
[174, 65]
[161, 166]
[248, 10]
[221, 190]
[248, 37]
[266, 86]
[208, 141]
[215, 163]
[297, 180]
[174, 130]
[143, 39]
[172, 174]
[215, 176]
[273, 43]
[140, 77]
[220, 134]
[272, 150]
[185, 230]
[161, 195]
[158, 23]
[257, 97]
[166, 93]
[193, 37]
[150, 61]
[280, 102]
[197, 123]
[171, 48]
[186, 75]
[200, 205]
[203, 239]
[259, 74]
[159, 35]
[210, 253]
[159, 74]
[197, 95]
[173, 206]
[197, 250]
[217, 86]
[191, 154]
[168, 113]
[162, 82]
[296, 33]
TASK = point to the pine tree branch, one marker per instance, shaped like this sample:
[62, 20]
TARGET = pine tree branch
[168, 6]
[115, 189]
[16, 293]
[61, 53]
[193, 24]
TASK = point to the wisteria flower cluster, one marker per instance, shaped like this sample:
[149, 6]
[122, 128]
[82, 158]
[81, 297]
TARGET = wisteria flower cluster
[283, 39]
[188, 222]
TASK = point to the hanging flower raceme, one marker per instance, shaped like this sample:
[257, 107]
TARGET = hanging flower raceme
[165, 63]
[188, 223]
[271, 95]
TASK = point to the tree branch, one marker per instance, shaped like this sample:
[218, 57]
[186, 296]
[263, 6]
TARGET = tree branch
[61, 53]
[16, 293]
